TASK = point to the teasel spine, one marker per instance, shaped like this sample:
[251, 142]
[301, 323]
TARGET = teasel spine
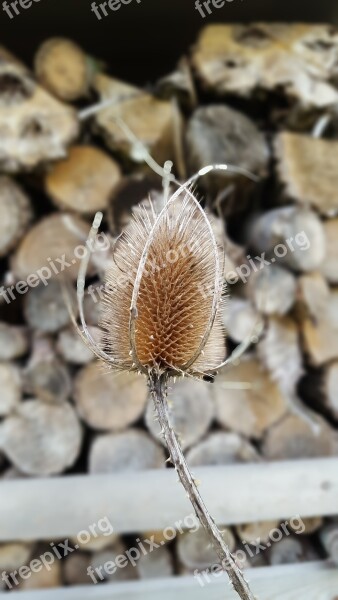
[158, 389]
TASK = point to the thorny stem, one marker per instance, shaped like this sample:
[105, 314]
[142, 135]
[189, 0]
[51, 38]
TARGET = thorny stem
[158, 389]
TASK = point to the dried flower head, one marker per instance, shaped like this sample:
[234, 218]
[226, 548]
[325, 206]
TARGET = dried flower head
[163, 295]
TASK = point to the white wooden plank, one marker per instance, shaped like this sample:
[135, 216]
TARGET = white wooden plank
[312, 581]
[60, 507]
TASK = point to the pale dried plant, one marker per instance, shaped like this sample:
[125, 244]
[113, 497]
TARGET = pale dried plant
[159, 323]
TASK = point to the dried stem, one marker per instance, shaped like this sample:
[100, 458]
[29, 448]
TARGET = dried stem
[158, 388]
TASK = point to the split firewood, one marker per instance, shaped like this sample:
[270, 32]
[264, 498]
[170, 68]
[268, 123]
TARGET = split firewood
[109, 401]
[321, 338]
[14, 341]
[84, 181]
[251, 532]
[307, 167]
[192, 412]
[113, 571]
[14, 555]
[34, 126]
[131, 450]
[294, 437]
[63, 69]
[43, 578]
[151, 120]
[155, 565]
[195, 551]
[329, 266]
[219, 134]
[329, 539]
[292, 550]
[240, 319]
[45, 376]
[222, 448]
[73, 349]
[292, 235]
[75, 569]
[15, 214]
[11, 388]
[41, 439]
[309, 525]
[45, 307]
[52, 248]
[280, 352]
[247, 400]
[180, 85]
[313, 296]
[297, 59]
[273, 290]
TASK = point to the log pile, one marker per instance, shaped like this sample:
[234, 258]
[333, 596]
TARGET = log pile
[247, 95]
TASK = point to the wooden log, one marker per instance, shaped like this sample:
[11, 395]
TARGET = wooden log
[309, 525]
[45, 578]
[280, 352]
[218, 134]
[45, 376]
[329, 539]
[294, 437]
[195, 551]
[131, 450]
[247, 400]
[83, 499]
[292, 235]
[15, 214]
[329, 266]
[155, 565]
[221, 448]
[245, 60]
[103, 562]
[14, 555]
[180, 85]
[307, 167]
[273, 290]
[11, 388]
[75, 569]
[108, 401]
[45, 308]
[316, 580]
[52, 248]
[96, 543]
[239, 318]
[292, 550]
[63, 69]
[192, 412]
[84, 181]
[41, 439]
[330, 389]
[14, 341]
[313, 296]
[320, 339]
[251, 532]
[151, 120]
[73, 349]
[35, 127]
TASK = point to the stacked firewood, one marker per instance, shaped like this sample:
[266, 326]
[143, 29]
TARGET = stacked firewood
[259, 97]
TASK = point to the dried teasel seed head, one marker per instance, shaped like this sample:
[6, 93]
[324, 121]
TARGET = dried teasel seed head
[162, 303]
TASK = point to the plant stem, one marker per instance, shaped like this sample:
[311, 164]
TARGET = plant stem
[158, 389]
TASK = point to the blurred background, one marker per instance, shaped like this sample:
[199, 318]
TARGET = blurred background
[247, 85]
